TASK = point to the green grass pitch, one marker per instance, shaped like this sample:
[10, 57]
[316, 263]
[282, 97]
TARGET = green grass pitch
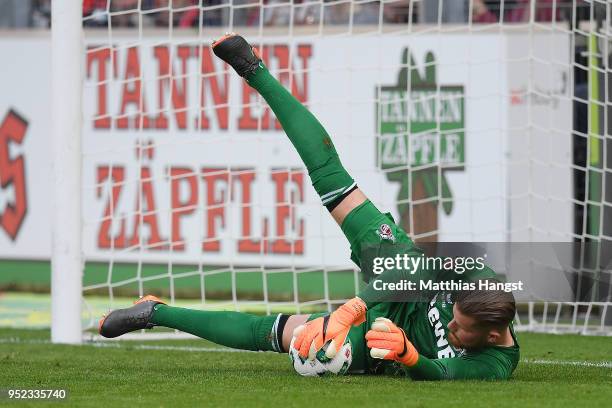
[555, 371]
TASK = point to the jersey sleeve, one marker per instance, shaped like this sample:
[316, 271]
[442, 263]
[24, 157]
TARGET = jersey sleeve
[479, 367]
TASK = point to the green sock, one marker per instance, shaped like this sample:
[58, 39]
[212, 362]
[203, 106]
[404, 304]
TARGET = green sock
[231, 329]
[328, 176]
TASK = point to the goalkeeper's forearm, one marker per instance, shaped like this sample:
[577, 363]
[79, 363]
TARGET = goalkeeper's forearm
[425, 369]
[458, 368]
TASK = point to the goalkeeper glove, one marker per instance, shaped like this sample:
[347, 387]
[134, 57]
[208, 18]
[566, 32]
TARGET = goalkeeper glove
[333, 328]
[389, 342]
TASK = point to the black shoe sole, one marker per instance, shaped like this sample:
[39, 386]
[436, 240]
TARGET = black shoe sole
[238, 53]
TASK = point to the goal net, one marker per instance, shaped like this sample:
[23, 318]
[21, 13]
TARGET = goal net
[480, 121]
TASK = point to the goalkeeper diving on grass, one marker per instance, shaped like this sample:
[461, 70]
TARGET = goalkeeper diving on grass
[442, 335]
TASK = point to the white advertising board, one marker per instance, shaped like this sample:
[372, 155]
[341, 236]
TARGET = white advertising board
[194, 169]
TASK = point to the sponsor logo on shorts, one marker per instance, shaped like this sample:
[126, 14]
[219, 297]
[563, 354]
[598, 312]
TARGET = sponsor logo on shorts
[385, 232]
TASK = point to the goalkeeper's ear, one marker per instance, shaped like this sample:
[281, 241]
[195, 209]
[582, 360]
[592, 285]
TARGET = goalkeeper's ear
[494, 336]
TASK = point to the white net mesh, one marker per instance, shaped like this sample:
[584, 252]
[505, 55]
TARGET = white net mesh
[470, 121]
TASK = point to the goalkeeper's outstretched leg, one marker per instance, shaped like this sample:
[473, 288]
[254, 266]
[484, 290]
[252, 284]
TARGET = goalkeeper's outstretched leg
[232, 329]
[337, 189]
[338, 192]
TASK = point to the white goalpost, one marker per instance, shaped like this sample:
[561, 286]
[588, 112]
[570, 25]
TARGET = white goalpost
[67, 256]
[466, 124]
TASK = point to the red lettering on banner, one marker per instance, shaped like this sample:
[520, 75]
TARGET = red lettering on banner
[219, 92]
[147, 216]
[281, 245]
[144, 149]
[180, 208]
[12, 172]
[173, 81]
[223, 189]
[168, 79]
[298, 179]
[247, 244]
[117, 177]
[215, 206]
[287, 75]
[100, 57]
[133, 93]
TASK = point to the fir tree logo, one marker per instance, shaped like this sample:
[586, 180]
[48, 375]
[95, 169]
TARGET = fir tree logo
[421, 136]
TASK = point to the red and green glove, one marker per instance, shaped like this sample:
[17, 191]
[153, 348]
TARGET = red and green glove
[333, 328]
[389, 342]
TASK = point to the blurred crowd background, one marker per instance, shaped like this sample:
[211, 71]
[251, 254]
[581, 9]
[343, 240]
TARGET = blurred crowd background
[193, 13]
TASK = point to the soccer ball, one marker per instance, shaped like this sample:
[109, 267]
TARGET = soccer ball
[322, 365]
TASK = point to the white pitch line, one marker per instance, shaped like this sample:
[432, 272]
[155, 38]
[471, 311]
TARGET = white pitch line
[169, 348]
[599, 364]
[114, 344]
[117, 345]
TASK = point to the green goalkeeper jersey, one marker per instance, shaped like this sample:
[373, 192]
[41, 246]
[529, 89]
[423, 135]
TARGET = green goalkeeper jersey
[425, 320]
[426, 325]
[427, 328]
